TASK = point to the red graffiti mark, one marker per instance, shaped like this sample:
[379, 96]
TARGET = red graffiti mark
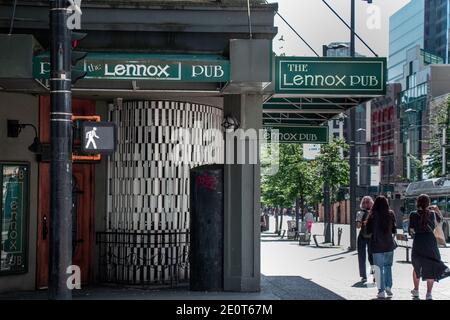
[206, 181]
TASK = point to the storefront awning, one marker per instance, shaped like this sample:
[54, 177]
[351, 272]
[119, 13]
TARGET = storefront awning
[310, 90]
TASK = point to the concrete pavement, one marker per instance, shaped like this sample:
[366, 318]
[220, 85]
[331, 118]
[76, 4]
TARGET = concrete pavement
[336, 269]
[290, 272]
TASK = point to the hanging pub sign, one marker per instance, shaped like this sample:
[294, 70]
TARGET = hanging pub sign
[331, 76]
[98, 137]
[298, 134]
[128, 66]
[14, 182]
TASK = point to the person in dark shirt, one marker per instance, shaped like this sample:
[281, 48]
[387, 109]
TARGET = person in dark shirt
[381, 224]
[364, 237]
[426, 258]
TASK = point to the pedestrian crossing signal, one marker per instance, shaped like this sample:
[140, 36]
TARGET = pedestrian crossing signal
[98, 137]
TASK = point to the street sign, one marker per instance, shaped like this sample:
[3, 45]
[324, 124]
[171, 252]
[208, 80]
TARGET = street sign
[311, 151]
[128, 66]
[98, 137]
[299, 134]
[331, 76]
[375, 176]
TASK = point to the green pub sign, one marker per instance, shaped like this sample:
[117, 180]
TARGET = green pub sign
[124, 66]
[331, 76]
[14, 181]
[297, 134]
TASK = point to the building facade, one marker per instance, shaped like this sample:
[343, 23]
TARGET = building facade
[406, 30]
[423, 82]
[131, 211]
[437, 28]
[419, 23]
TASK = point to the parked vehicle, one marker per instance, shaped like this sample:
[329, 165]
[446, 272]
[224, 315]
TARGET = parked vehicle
[438, 190]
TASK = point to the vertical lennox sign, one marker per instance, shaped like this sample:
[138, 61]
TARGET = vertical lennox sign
[331, 76]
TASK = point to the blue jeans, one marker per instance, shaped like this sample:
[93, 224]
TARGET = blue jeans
[383, 269]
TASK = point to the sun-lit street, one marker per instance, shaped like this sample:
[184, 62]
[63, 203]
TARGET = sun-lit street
[332, 273]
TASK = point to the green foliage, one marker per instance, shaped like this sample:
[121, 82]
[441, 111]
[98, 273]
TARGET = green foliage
[298, 178]
[439, 120]
[334, 170]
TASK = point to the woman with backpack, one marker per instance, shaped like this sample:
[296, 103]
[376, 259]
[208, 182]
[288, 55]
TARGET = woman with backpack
[364, 237]
[426, 258]
[381, 224]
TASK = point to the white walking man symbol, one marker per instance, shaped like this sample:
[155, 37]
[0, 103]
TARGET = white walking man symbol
[91, 135]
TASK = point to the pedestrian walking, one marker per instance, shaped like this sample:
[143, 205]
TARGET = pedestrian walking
[426, 258]
[381, 225]
[364, 237]
[309, 221]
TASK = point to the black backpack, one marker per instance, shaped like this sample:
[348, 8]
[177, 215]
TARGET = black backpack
[363, 231]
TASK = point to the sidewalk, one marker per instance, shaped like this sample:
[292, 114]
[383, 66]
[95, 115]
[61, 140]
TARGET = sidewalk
[289, 271]
[337, 268]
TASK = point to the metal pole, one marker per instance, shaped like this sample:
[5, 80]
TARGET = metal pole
[249, 13]
[60, 241]
[408, 158]
[380, 185]
[327, 213]
[352, 128]
[444, 151]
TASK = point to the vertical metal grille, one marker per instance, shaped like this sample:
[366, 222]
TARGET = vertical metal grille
[146, 240]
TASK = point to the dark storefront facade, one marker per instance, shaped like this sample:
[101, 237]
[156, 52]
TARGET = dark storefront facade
[154, 68]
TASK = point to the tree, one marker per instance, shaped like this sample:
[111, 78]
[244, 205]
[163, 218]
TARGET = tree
[301, 179]
[295, 179]
[335, 173]
[334, 170]
[439, 120]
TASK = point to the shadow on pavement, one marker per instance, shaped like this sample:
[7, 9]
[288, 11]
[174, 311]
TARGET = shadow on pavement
[272, 288]
[297, 288]
[366, 285]
[332, 255]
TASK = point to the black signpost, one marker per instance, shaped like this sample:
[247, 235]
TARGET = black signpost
[60, 242]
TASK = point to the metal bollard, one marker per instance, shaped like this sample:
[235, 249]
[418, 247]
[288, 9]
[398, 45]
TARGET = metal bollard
[339, 236]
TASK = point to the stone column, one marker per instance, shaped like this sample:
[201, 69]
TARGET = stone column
[242, 202]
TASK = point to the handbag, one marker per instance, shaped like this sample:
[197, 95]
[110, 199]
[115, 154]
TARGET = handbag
[438, 232]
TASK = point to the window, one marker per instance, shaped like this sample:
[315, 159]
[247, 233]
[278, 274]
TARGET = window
[442, 204]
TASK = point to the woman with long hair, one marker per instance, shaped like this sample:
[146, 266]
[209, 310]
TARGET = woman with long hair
[364, 237]
[381, 224]
[426, 258]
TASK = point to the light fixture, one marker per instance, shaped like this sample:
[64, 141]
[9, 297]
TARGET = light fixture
[14, 128]
[410, 110]
[230, 123]
[361, 130]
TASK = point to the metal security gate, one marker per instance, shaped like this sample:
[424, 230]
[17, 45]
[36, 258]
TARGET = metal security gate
[154, 258]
